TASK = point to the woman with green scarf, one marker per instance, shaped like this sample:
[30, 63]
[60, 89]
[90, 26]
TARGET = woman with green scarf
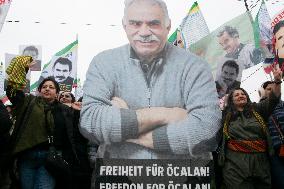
[30, 137]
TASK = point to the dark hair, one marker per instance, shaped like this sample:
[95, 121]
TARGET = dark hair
[72, 96]
[64, 61]
[230, 108]
[80, 99]
[266, 83]
[233, 32]
[49, 79]
[232, 64]
[31, 48]
[278, 26]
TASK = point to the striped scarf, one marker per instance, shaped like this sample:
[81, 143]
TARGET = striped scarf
[247, 146]
[258, 117]
[17, 72]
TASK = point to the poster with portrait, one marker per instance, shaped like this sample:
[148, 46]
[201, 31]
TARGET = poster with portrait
[62, 67]
[278, 35]
[229, 50]
[277, 27]
[8, 59]
[277, 18]
[34, 51]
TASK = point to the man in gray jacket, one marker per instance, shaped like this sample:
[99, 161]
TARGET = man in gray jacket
[149, 99]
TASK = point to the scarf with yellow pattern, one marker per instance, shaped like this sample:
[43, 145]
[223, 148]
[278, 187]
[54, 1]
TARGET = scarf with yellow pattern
[17, 71]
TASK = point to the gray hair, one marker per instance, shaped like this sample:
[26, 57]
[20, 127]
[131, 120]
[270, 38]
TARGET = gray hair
[161, 3]
[233, 32]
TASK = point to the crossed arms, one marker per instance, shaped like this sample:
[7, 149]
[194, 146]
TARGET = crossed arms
[106, 119]
[151, 118]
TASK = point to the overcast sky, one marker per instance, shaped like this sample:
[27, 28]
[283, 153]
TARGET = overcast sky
[97, 23]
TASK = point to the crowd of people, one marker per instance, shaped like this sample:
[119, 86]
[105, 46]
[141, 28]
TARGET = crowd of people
[28, 140]
[145, 100]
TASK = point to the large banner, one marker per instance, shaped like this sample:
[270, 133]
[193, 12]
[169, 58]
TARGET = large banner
[4, 8]
[229, 50]
[62, 67]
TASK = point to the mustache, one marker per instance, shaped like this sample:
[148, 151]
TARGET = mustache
[147, 38]
[226, 48]
[60, 77]
[227, 79]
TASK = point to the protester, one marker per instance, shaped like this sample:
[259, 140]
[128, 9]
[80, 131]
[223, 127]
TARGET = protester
[276, 130]
[150, 99]
[66, 98]
[81, 170]
[6, 125]
[34, 113]
[246, 141]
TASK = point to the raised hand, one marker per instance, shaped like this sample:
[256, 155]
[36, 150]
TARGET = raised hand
[32, 63]
[76, 105]
[277, 73]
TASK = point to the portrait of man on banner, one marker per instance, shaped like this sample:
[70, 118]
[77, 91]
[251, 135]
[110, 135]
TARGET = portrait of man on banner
[227, 81]
[62, 70]
[33, 51]
[278, 32]
[245, 54]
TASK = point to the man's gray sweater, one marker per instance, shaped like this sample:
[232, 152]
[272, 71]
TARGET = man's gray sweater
[178, 79]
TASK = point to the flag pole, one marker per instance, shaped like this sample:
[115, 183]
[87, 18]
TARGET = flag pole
[76, 92]
[249, 13]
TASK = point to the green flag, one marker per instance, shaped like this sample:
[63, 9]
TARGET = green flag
[173, 37]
